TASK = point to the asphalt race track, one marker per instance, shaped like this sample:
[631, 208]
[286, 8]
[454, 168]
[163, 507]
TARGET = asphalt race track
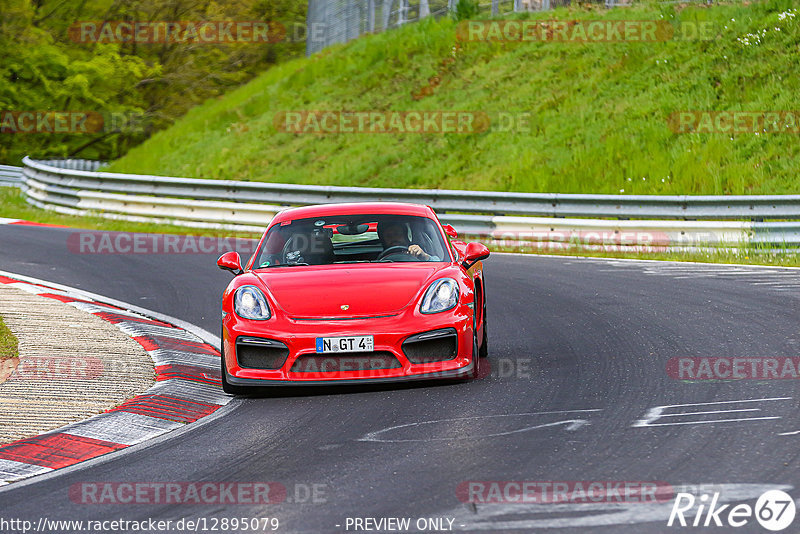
[579, 350]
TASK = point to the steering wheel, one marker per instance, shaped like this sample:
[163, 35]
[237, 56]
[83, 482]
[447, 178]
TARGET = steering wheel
[397, 249]
[428, 242]
[290, 246]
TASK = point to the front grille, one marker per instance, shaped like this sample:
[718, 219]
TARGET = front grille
[343, 362]
[259, 353]
[434, 346]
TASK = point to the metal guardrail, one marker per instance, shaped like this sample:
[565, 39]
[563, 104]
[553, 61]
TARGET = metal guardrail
[264, 193]
[674, 221]
[487, 202]
[74, 164]
[10, 176]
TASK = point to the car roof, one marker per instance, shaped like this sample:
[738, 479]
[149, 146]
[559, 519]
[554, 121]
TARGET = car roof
[353, 208]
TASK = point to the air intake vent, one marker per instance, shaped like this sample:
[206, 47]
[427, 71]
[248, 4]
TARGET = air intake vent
[259, 353]
[434, 346]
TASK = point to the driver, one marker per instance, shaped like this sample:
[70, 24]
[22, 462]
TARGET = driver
[394, 234]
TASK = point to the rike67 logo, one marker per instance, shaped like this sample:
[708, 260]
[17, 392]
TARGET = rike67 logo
[774, 510]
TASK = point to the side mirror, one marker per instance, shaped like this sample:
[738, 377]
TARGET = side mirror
[449, 230]
[474, 253]
[230, 261]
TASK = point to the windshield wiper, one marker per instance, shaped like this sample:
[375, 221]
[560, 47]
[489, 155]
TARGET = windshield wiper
[270, 266]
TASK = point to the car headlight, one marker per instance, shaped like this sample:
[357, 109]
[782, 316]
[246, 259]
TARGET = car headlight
[442, 295]
[249, 303]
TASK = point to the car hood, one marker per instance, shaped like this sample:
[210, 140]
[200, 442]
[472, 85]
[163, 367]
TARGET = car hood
[366, 290]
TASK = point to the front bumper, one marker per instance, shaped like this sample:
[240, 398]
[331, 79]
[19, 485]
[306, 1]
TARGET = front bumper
[464, 372]
[389, 333]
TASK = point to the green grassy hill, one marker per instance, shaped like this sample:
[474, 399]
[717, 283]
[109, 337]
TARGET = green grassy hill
[598, 111]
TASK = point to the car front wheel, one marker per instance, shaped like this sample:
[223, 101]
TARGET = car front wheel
[226, 386]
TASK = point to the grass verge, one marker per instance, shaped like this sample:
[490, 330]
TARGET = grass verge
[9, 346]
[744, 256]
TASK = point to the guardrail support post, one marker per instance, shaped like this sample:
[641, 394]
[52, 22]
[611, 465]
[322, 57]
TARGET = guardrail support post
[424, 9]
[387, 13]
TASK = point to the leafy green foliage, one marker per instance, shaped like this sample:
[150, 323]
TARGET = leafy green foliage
[466, 9]
[139, 88]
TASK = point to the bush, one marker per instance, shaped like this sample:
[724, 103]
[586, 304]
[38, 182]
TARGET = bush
[466, 9]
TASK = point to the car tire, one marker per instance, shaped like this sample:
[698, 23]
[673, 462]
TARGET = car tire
[476, 360]
[484, 351]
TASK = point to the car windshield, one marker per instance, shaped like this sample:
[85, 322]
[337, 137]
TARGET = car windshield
[352, 239]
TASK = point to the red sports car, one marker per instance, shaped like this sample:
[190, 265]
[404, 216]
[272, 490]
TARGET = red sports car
[353, 293]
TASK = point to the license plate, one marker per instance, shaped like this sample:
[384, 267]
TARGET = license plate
[327, 345]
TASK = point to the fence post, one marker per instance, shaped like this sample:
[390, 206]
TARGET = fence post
[353, 21]
[495, 7]
[348, 8]
[328, 26]
[424, 9]
[387, 13]
[370, 16]
[312, 4]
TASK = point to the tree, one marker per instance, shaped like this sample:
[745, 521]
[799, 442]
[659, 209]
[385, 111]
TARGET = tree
[47, 68]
